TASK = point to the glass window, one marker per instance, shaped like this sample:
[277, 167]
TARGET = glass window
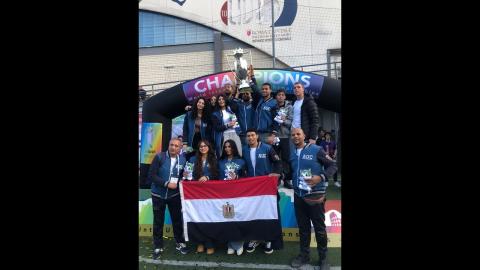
[162, 30]
[179, 31]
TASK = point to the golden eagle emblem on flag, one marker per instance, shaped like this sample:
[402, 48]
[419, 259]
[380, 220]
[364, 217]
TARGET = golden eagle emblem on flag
[228, 210]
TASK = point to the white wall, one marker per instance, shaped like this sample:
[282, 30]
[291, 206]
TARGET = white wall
[185, 62]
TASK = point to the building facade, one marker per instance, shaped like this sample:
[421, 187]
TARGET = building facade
[183, 39]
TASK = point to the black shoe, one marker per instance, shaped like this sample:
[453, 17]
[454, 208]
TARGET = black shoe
[324, 265]
[300, 260]
[252, 245]
[268, 248]
[157, 252]
[182, 247]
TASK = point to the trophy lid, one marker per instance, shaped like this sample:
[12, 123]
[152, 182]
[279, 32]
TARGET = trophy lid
[239, 52]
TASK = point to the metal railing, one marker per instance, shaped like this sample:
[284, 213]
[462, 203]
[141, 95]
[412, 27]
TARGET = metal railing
[331, 70]
[155, 88]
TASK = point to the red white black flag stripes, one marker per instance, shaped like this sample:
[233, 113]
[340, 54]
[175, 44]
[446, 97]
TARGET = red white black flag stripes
[233, 210]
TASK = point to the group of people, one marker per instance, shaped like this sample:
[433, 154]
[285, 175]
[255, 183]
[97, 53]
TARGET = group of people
[230, 115]
[245, 135]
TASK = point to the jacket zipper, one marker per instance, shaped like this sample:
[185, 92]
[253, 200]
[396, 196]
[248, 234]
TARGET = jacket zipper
[245, 116]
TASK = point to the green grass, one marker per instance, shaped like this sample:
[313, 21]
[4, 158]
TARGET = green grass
[333, 192]
[283, 256]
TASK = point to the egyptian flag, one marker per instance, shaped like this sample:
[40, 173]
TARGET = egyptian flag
[232, 210]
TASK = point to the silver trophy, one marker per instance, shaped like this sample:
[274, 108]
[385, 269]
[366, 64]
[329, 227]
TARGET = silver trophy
[241, 67]
[281, 113]
[305, 175]
[189, 170]
[230, 169]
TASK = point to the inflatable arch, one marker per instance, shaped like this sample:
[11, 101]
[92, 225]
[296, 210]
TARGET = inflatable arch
[170, 103]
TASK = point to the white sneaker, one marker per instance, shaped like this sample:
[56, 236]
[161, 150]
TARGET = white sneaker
[338, 184]
[268, 248]
[240, 251]
[230, 251]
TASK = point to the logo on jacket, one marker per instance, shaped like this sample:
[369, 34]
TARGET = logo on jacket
[228, 210]
[307, 157]
[262, 155]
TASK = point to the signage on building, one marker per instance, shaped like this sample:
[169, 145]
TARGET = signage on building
[297, 22]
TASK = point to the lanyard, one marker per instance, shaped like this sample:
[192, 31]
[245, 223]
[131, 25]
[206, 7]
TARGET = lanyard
[175, 164]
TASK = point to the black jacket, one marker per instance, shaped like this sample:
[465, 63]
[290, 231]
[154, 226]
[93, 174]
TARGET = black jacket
[310, 119]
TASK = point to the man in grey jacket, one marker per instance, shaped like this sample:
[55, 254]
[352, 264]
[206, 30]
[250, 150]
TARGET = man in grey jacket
[283, 122]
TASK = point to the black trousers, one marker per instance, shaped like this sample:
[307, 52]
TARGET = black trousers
[285, 155]
[335, 177]
[175, 208]
[316, 213]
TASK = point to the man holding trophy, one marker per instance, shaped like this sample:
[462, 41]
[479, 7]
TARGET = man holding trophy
[309, 188]
[283, 123]
[243, 107]
[264, 104]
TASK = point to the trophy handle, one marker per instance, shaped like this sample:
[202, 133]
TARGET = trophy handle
[250, 71]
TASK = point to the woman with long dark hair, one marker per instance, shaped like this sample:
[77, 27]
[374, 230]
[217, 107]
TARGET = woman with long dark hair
[205, 167]
[232, 166]
[196, 124]
[225, 125]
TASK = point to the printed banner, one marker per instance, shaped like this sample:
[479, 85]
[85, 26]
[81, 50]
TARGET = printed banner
[177, 126]
[285, 79]
[151, 142]
[214, 84]
[208, 86]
